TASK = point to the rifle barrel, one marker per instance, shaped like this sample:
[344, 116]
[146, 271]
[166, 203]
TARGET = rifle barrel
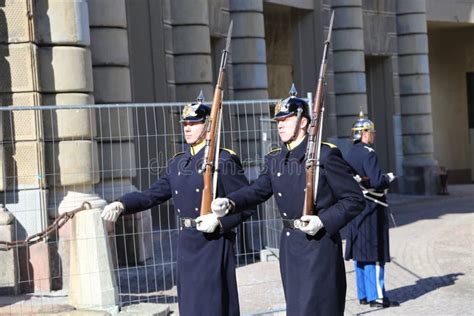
[315, 131]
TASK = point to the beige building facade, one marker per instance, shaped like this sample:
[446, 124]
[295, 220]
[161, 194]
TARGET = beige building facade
[408, 64]
[451, 63]
[389, 58]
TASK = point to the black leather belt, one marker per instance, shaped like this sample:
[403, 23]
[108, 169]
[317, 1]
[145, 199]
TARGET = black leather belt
[187, 222]
[291, 223]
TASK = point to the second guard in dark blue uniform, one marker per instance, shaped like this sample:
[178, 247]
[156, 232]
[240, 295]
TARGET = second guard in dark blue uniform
[368, 239]
[311, 263]
[206, 279]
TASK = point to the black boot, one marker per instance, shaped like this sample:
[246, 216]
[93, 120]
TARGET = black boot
[383, 303]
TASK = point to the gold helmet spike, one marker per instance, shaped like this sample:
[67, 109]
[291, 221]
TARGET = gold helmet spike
[196, 111]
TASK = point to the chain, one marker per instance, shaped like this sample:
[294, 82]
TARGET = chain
[36, 238]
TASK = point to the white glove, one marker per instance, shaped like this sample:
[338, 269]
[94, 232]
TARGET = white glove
[313, 225]
[207, 223]
[112, 211]
[220, 206]
[391, 176]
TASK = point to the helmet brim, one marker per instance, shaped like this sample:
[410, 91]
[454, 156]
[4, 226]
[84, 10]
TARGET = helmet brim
[282, 116]
[192, 120]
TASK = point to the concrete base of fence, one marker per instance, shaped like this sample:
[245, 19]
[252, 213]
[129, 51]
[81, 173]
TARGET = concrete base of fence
[145, 309]
[269, 254]
[92, 280]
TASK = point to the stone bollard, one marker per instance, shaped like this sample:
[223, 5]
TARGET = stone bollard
[92, 280]
[8, 272]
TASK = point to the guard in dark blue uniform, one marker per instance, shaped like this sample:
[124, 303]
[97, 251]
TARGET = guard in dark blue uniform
[367, 240]
[311, 262]
[206, 279]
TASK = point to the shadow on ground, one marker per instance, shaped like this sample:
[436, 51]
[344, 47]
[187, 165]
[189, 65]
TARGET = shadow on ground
[422, 287]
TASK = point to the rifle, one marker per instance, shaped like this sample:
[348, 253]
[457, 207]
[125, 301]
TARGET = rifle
[213, 127]
[313, 149]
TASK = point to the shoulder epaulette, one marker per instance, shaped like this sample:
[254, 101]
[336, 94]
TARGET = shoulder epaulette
[177, 154]
[274, 151]
[329, 144]
[230, 151]
[370, 149]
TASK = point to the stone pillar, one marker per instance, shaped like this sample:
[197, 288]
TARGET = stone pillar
[168, 48]
[2, 115]
[8, 273]
[349, 67]
[248, 50]
[420, 168]
[109, 46]
[110, 59]
[62, 31]
[192, 54]
[219, 19]
[2, 163]
[250, 81]
[22, 148]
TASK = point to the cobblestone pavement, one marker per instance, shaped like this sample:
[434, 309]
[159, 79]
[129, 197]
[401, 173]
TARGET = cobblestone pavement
[431, 273]
[432, 268]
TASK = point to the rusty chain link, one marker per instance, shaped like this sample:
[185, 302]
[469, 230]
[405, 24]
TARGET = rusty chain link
[57, 224]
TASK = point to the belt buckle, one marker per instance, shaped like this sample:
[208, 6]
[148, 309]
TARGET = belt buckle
[297, 223]
[188, 223]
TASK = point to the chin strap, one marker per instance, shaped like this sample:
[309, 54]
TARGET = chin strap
[297, 126]
[203, 133]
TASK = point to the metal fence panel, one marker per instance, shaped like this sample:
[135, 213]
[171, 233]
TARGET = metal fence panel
[107, 151]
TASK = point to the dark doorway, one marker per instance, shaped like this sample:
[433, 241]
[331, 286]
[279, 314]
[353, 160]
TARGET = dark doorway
[381, 108]
[470, 112]
[290, 36]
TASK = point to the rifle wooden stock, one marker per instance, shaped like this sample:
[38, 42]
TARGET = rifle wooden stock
[309, 198]
[210, 141]
[314, 134]
[212, 130]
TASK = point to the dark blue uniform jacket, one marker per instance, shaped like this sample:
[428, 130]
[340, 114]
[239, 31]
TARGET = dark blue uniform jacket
[206, 262]
[312, 268]
[367, 234]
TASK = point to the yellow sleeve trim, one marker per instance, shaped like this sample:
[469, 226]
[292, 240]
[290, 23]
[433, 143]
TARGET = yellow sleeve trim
[230, 151]
[177, 154]
[329, 144]
[274, 150]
